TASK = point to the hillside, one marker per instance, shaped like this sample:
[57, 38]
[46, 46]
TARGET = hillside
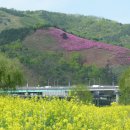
[98, 53]
[56, 48]
[90, 27]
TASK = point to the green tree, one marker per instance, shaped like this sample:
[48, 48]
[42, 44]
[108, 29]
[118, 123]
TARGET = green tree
[11, 73]
[81, 93]
[124, 85]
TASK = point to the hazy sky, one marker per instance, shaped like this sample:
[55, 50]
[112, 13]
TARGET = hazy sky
[118, 10]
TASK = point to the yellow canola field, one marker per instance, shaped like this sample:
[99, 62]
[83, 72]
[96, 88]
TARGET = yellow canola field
[38, 114]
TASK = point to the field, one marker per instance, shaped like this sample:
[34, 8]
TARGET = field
[39, 114]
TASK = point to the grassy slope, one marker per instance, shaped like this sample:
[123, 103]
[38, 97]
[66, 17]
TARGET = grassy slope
[89, 27]
[41, 40]
[9, 21]
[51, 40]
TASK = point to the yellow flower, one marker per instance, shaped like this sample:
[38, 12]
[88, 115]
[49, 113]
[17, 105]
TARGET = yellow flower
[69, 126]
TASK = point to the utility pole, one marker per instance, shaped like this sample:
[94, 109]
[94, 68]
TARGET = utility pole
[89, 82]
[99, 81]
[113, 83]
[94, 81]
[69, 83]
[57, 82]
[54, 83]
[48, 82]
[27, 83]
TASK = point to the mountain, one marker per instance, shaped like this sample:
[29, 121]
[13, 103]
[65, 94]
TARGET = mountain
[90, 27]
[57, 48]
[98, 53]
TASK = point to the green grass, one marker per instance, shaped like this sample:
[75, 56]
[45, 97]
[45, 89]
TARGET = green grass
[41, 42]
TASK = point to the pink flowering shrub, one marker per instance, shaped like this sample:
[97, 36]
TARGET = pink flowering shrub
[74, 43]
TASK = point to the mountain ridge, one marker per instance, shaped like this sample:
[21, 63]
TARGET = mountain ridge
[65, 47]
[61, 40]
[90, 27]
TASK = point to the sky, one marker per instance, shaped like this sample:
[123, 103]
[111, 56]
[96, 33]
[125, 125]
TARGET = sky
[117, 10]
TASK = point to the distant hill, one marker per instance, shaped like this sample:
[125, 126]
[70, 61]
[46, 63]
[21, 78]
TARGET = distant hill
[98, 53]
[90, 27]
[60, 48]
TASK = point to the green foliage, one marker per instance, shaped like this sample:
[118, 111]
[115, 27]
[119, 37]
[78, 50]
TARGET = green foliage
[11, 73]
[94, 28]
[50, 65]
[124, 84]
[56, 68]
[81, 93]
[13, 12]
[8, 36]
[108, 75]
[13, 50]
